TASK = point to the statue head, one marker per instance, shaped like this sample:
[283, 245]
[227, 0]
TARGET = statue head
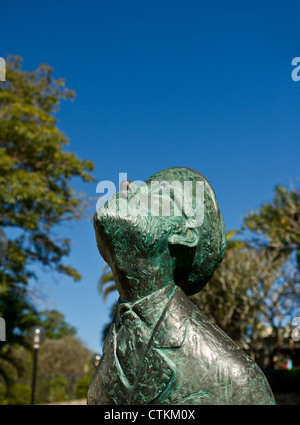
[168, 228]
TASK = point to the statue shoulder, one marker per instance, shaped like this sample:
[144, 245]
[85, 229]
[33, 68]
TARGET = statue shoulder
[225, 373]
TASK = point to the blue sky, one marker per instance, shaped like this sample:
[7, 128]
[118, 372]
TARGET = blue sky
[161, 84]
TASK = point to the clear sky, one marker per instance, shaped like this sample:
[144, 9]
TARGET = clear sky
[206, 85]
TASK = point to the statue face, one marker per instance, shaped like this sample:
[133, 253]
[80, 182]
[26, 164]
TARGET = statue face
[154, 223]
[136, 221]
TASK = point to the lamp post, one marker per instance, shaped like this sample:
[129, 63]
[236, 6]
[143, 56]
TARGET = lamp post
[37, 335]
[96, 359]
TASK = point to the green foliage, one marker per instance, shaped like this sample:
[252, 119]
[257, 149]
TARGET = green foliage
[15, 361]
[35, 172]
[35, 195]
[58, 389]
[279, 221]
[55, 325]
[42, 390]
[234, 243]
[20, 315]
[82, 386]
[106, 277]
[17, 394]
[63, 356]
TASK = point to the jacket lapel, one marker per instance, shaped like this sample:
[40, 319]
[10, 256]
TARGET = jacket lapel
[157, 374]
[109, 384]
[172, 329]
[158, 371]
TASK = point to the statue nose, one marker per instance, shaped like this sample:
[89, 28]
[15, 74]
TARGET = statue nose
[126, 186]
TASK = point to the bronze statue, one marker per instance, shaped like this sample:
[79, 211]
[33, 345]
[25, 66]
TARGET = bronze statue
[161, 349]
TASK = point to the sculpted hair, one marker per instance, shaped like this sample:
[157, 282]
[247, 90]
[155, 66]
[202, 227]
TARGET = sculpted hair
[194, 266]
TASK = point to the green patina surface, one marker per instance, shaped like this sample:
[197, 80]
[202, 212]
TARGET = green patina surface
[161, 349]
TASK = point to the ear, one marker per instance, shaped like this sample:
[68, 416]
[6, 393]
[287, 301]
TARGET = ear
[189, 237]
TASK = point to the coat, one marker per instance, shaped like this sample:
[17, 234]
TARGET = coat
[187, 360]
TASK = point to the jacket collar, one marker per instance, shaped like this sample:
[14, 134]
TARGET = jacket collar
[149, 308]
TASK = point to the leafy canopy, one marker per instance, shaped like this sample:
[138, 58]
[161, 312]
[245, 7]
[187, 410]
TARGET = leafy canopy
[36, 195]
[35, 171]
[55, 325]
[278, 222]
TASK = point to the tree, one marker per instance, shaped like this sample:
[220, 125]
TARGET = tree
[55, 325]
[35, 189]
[35, 172]
[16, 358]
[276, 225]
[251, 297]
[62, 357]
[107, 277]
[20, 314]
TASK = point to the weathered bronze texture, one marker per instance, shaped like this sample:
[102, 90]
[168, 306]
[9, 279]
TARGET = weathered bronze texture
[160, 348]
